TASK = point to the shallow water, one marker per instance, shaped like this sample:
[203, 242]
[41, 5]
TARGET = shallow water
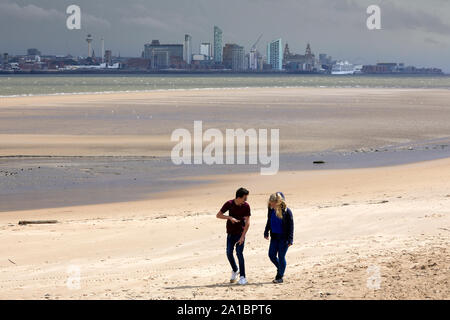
[44, 182]
[19, 85]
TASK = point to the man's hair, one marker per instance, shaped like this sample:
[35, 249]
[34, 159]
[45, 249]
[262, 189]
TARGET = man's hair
[241, 192]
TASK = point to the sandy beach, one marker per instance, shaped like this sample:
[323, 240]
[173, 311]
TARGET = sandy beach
[140, 124]
[138, 228]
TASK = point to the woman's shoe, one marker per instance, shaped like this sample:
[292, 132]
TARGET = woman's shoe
[234, 276]
[279, 280]
[242, 281]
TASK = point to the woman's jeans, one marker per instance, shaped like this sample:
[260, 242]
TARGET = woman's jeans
[277, 253]
[232, 240]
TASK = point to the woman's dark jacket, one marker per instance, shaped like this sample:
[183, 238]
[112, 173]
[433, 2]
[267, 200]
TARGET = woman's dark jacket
[287, 225]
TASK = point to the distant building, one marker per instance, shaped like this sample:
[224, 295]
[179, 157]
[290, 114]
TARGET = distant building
[325, 59]
[260, 62]
[299, 62]
[163, 55]
[136, 64]
[188, 49]
[201, 62]
[398, 68]
[253, 59]
[326, 62]
[217, 45]
[237, 58]
[89, 40]
[205, 49]
[275, 54]
[33, 52]
[160, 58]
[233, 57]
[198, 57]
[108, 57]
[227, 55]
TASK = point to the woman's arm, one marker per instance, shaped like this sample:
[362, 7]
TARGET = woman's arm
[291, 227]
[267, 229]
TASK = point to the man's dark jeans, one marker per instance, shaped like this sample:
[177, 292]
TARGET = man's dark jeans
[232, 240]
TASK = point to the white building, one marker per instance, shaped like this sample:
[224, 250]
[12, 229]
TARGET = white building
[187, 55]
[275, 54]
[206, 50]
[253, 59]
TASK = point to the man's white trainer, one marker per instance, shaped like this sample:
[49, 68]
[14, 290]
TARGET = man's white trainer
[234, 276]
[242, 281]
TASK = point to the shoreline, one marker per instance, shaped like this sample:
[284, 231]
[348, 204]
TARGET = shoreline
[130, 92]
[101, 146]
[169, 82]
[151, 185]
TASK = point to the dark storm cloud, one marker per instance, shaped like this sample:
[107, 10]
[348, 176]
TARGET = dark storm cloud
[413, 31]
[414, 19]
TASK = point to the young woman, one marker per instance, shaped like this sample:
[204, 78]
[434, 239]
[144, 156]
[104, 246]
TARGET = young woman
[280, 225]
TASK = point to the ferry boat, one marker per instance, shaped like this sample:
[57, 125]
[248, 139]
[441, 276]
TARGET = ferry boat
[344, 67]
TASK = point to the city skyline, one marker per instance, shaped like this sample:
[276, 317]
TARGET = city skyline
[422, 40]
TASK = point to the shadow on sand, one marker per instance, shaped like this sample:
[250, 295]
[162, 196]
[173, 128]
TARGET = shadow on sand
[218, 285]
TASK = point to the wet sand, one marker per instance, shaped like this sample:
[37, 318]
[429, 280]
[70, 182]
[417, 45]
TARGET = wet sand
[91, 149]
[140, 124]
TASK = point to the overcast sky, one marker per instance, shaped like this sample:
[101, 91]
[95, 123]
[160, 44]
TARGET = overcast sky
[413, 31]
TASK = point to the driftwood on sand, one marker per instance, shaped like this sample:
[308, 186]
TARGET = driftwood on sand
[24, 222]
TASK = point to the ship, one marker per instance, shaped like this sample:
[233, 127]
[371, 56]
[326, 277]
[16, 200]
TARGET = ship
[345, 68]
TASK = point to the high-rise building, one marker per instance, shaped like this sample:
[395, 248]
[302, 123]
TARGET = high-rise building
[237, 58]
[217, 45]
[5, 59]
[188, 49]
[260, 61]
[233, 57]
[227, 55]
[103, 50]
[205, 49]
[33, 52]
[275, 54]
[108, 57]
[253, 59]
[89, 40]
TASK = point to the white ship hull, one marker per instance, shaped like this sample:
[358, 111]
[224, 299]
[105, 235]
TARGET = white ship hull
[343, 72]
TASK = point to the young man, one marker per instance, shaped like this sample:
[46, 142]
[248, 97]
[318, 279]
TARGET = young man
[238, 222]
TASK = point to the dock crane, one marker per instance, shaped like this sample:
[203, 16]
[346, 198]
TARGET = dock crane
[256, 43]
[253, 57]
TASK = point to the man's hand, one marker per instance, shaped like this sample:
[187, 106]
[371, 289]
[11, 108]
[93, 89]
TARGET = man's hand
[241, 240]
[289, 244]
[233, 220]
[267, 238]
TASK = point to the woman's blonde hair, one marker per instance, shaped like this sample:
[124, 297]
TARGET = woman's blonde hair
[280, 203]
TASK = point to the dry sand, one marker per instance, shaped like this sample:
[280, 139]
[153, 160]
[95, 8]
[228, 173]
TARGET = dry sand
[395, 218]
[171, 246]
